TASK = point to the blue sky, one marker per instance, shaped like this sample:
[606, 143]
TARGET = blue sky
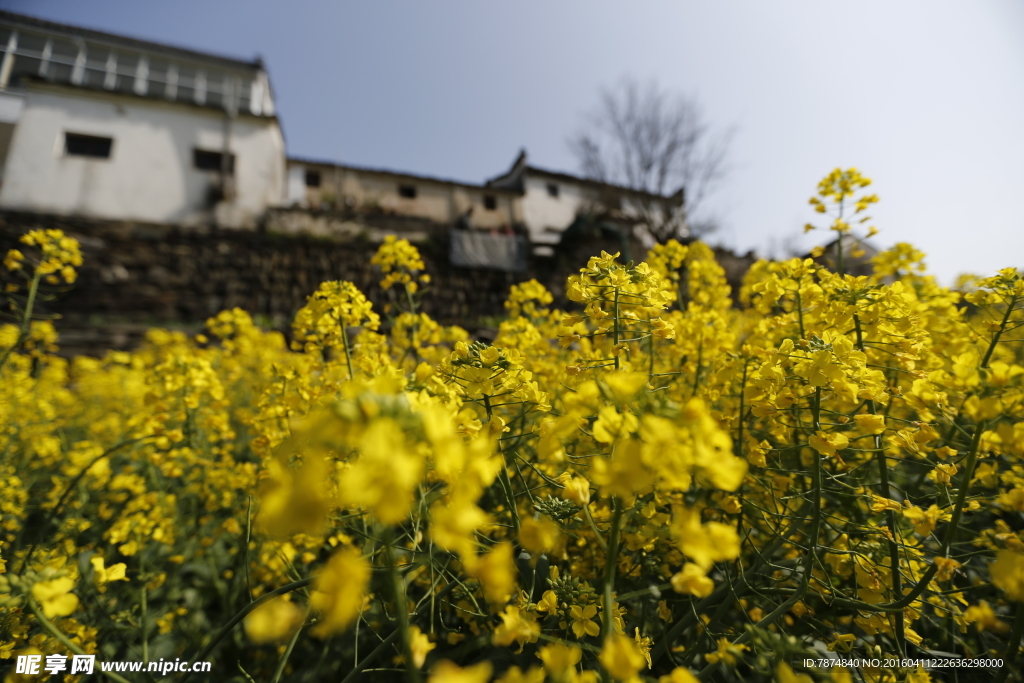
[925, 97]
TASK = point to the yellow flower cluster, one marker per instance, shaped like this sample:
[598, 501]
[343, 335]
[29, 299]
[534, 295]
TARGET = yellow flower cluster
[400, 263]
[528, 299]
[836, 192]
[58, 256]
[653, 484]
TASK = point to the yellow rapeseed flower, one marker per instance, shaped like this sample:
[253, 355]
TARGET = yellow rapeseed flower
[1008, 574]
[693, 581]
[338, 591]
[621, 657]
[446, 671]
[115, 572]
[273, 621]
[55, 597]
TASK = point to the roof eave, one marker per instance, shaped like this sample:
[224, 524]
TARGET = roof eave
[397, 174]
[597, 183]
[114, 40]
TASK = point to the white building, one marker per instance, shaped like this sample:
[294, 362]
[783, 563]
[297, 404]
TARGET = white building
[319, 184]
[553, 201]
[104, 126]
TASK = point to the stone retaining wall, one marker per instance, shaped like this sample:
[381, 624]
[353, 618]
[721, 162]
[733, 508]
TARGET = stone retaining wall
[141, 275]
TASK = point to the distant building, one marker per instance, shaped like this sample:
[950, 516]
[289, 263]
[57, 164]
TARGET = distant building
[857, 256]
[325, 185]
[104, 126]
[483, 226]
[552, 202]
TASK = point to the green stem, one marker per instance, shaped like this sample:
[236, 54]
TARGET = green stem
[597, 532]
[839, 243]
[409, 298]
[412, 674]
[650, 362]
[510, 496]
[372, 657]
[615, 328]
[609, 568]
[1012, 645]
[812, 543]
[999, 333]
[70, 487]
[145, 638]
[26, 321]
[245, 673]
[899, 628]
[897, 606]
[284, 658]
[650, 591]
[503, 479]
[743, 396]
[64, 640]
[718, 594]
[348, 352]
[800, 310]
[248, 531]
[839, 253]
[287, 588]
[700, 364]
[359, 666]
[30, 302]
[608, 604]
[894, 549]
[961, 496]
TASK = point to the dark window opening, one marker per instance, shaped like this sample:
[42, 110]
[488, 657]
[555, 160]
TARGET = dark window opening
[24, 68]
[214, 99]
[60, 73]
[124, 81]
[206, 160]
[87, 146]
[552, 190]
[95, 75]
[62, 61]
[407, 191]
[156, 85]
[490, 202]
[186, 84]
[312, 178]
[244, 101]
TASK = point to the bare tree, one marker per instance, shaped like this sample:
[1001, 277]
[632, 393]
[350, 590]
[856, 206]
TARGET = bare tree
[654, 142]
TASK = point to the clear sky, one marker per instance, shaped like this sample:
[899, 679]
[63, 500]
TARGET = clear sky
[924, 96]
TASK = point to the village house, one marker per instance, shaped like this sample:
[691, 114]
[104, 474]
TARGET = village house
[103, 126]
[539, 206]
[554, 202]
[327, 186]
[100, 126]
[483, 226]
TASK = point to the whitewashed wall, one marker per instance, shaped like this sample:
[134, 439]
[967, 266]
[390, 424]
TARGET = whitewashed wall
[546, 216]
[296, 185]
[150, 174]
[436, 200]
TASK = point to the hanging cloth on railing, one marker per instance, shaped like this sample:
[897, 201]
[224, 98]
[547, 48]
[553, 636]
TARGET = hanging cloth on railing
[478, 249]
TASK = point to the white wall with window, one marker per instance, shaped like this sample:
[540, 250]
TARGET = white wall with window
[92, 62]
[109, 156]
[549, 207]
[106, 126]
